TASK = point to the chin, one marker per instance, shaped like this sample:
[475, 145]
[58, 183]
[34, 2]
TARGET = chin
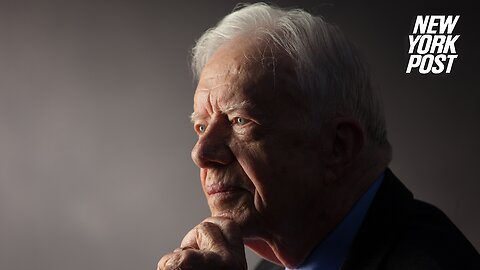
[245, 218]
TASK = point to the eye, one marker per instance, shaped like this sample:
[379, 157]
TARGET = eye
[200, 128]
[239, 121]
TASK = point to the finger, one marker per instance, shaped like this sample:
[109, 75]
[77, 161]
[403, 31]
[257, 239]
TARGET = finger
[205, 236]
[186, 259]
[180, 249]
[230, 230]
[190, 240]
[210, 238]
[163, 261]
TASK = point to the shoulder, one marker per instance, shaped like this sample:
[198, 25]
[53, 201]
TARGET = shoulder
[427, 239]
[400, 232]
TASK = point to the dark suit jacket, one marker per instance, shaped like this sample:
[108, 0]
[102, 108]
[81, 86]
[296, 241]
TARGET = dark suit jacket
[401, 233]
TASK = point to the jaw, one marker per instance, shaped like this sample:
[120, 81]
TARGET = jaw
[237, 206]
[278, 251]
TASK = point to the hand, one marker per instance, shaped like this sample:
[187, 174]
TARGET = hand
[216, 243]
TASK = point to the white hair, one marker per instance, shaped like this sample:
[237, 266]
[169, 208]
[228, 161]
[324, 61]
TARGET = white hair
[330, 73]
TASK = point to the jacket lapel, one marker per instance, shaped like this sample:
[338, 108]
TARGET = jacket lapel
[380, 228]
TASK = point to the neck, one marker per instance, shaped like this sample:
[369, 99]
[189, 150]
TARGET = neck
[293, 242]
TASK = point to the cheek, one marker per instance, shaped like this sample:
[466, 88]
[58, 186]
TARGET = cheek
[255, 163]
[275, 168]
[203, 177]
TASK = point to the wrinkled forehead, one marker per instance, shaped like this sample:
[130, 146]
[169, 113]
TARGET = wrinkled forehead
[239, 60]
[243, 69]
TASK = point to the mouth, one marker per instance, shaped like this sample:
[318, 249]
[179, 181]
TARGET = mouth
[226, 198]
[218, 189]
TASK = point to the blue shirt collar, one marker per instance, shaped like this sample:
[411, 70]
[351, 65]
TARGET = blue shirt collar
[332, 251]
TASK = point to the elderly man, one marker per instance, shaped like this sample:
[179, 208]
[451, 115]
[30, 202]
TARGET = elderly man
[293, 156]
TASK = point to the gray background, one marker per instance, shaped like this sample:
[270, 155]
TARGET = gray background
[95, 169]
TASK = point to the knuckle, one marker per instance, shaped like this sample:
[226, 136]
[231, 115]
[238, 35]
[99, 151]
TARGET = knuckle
[188, 257]
[163, 261]
[173, 262]
[207, 225]
[224, 223]
[206, 229]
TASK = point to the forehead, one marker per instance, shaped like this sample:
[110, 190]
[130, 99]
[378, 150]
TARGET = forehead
[241, 71]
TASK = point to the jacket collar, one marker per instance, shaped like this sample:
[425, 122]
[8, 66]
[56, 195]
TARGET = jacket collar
[381, 225]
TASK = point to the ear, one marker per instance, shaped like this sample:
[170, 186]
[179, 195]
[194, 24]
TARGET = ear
[348, 140]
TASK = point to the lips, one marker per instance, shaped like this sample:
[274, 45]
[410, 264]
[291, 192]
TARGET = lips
[221, 188]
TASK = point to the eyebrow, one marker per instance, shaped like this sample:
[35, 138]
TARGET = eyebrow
[193, 117]
[244, 105]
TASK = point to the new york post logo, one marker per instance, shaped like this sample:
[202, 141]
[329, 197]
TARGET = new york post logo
[432, 45]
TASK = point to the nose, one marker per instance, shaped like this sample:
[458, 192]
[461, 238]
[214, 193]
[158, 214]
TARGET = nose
[211, 149]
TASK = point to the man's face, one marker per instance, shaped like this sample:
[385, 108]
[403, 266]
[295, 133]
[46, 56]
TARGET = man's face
[259, 164]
